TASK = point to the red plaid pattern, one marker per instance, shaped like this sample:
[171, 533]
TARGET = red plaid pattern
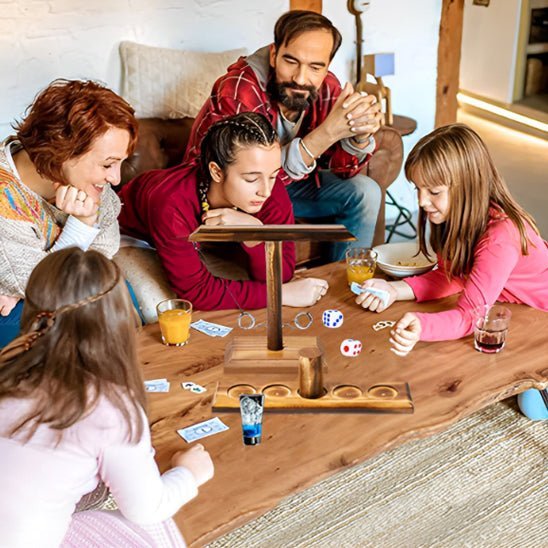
[239, 90]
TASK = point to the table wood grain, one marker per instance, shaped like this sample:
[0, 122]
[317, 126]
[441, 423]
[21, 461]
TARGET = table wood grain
[448, 380]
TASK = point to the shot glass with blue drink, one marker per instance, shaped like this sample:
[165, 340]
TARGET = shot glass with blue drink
[251, 410]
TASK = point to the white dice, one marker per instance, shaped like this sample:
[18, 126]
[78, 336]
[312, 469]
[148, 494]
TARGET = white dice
[351, 348]
[332, 318]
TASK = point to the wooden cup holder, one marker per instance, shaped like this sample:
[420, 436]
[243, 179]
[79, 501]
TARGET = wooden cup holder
[283, 396]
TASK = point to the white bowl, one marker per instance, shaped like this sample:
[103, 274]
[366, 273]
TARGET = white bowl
[400, 259]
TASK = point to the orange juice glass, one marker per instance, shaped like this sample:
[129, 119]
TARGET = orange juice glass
[360, 264]
[174, 316]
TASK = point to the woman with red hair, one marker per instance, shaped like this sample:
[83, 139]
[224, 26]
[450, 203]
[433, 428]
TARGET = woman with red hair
[56, 174]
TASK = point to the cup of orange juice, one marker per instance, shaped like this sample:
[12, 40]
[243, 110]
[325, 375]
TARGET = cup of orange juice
[360, 264]
[174, 316]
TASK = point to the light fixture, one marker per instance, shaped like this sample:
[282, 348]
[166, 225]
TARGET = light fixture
[502, 112]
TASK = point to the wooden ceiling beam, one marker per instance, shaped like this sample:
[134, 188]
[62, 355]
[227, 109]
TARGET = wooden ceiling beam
[449, 46]
[310, 5]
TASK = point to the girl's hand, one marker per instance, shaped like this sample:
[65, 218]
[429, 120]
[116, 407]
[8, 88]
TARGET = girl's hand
[406, 334]
[303, 292]
[7, 304]
[76, 203]
[197, 460]
[370, 302]
[228, 216]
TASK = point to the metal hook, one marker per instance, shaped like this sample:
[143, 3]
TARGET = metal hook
[297, 320]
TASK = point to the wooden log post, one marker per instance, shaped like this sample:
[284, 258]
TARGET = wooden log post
[449, 45]
[310, 5]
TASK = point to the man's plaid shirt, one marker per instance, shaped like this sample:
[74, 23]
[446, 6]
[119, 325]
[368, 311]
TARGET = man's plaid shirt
[240, 90]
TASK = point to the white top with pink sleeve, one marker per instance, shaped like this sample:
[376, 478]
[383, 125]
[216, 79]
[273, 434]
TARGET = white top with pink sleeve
[40, 483]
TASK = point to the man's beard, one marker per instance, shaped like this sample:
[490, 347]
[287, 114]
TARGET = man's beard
[292, 102]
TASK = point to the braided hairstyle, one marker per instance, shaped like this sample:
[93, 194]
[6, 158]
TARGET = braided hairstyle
[223, 139]
[77, 345]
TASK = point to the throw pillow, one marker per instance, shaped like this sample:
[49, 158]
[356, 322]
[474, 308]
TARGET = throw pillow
[169, 83]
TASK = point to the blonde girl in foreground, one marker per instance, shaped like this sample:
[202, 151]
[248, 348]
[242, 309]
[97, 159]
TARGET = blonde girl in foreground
[488, 247]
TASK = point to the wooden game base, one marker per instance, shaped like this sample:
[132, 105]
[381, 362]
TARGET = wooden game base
[245, 354]
[251, 368]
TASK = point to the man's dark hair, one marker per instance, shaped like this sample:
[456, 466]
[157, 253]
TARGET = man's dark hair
[293, 23]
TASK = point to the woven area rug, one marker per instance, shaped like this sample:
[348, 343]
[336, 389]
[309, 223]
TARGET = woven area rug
[481, 483]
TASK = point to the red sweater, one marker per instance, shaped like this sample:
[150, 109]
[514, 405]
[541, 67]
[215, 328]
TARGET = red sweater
[162, 208]
[243, 89]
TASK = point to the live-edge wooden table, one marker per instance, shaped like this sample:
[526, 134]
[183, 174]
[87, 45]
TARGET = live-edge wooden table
[448, 381]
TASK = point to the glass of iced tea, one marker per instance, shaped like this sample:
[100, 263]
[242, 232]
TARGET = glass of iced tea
[360, 264]
[490, 328]
[174, 316]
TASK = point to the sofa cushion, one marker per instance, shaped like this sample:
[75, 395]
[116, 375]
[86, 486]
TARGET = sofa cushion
[143, 269]
[170, 83]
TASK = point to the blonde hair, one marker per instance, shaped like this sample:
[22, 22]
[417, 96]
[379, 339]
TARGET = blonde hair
[456, 157]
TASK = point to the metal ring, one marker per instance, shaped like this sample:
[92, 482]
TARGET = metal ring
[297, 320]
[249, 317]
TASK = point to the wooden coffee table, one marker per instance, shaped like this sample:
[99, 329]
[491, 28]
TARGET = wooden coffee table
[448, 381]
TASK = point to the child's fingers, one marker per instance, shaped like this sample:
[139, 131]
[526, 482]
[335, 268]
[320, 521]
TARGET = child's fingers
[405, 321]
[399, 346]
[404, 335]
[364, 299]
[375, 304]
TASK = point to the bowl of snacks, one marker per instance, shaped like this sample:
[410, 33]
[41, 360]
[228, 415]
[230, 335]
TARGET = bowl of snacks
[401, 259]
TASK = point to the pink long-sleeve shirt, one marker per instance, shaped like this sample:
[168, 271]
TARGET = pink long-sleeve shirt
[500, 273]
[40, 483]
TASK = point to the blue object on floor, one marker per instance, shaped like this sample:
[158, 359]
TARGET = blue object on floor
[532, 405]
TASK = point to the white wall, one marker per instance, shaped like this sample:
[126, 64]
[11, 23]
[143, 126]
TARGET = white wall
[41, 40]
[489, 49]
[410, 30]
[45, 39]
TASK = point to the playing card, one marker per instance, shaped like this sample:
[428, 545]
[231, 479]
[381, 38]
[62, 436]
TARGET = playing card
[202, 430]
[157, 385]
[193, 387]
[211, 329]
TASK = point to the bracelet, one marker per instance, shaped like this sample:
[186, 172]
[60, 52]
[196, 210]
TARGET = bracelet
[361, 141]
[305, 148]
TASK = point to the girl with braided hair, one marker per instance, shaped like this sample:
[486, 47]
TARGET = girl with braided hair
[72, 414]
[234, 182]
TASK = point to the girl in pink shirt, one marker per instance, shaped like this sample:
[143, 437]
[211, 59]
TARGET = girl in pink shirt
[72, 414]
[488, 247]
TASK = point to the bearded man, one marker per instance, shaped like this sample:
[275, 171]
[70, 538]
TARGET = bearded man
[326, 132]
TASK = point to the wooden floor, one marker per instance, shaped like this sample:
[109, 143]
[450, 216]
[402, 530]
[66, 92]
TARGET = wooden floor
[522, 161]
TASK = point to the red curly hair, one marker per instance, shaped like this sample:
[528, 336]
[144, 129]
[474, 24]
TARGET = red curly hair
[65, 119]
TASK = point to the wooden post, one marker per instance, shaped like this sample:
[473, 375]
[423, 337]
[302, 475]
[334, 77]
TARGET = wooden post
[273, 252]
[310, 5]
[450, 39]
[310, 373]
